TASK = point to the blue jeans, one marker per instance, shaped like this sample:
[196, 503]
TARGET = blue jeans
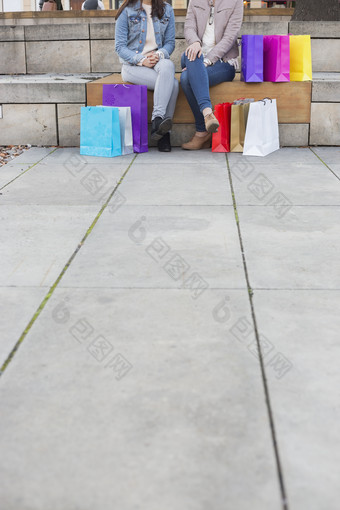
[197, 79]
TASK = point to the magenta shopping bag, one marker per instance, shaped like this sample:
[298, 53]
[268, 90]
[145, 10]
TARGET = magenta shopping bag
[252, 58]
[276, 58]
[134, 96]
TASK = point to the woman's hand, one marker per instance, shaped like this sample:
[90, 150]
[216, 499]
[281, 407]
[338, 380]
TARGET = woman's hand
[147, 63]
[151, 60]
[193, 51]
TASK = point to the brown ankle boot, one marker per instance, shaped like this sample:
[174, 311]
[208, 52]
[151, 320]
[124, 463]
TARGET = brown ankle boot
[211, 123]
[198, 142]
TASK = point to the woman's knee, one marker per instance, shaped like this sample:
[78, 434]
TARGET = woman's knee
[165, 65]
[185, 62]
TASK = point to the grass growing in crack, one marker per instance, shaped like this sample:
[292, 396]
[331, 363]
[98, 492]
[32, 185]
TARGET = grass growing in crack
[63, 271]
[27, 169]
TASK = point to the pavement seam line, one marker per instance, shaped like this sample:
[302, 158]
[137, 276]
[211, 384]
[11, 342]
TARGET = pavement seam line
[322, 161]
[257, 337]
[27, 169]
[61, 274]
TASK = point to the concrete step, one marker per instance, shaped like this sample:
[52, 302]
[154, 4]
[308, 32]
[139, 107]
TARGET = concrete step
[45, 109]
[326, 87]
[46, 88]
[49, 124]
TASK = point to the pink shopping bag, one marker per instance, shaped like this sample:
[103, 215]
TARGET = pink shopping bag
[276, 58]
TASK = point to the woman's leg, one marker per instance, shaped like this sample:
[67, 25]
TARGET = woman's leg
[146, 76]
[139, 75]
[161, 79]
[189, 94]
[173, 99]
[196, 81]
[166, 89]
[220, 72]
[199, 81]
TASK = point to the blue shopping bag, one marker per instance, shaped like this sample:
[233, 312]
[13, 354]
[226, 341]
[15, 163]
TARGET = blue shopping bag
[252, 58]
[100, 132]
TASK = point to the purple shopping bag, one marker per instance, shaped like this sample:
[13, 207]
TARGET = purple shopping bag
[276, 58]
[134, 96]
[252, 58]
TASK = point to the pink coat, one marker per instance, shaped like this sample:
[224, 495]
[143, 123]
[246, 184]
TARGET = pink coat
[228, 21]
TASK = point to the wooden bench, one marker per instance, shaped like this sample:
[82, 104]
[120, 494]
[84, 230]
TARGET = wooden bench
[293, 98]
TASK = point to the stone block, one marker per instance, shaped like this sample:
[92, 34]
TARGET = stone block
[69, 124]
[179, 29]
[102, 31]
[33, 124]
[326, 87]
[58, 57]
[325, 124]
[326, 55]
[12, 59]
[104, 59]
[327, 29]
[294, 135]
[12, 33]
[57, 32]
[44, 88]
[176, 56]
[265, 28]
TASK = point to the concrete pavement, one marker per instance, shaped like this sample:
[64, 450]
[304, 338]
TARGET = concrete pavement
[135, 293]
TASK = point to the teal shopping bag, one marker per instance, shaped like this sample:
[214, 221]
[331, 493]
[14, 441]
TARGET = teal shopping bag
[100, 131]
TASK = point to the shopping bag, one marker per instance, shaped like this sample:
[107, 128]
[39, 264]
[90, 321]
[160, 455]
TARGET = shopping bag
[262, 133]
[276, 59]
[221, 139]
[238, 123]
[134, 96]
[237, 128]
[126, 129]
[252, 58]
[100, 131]
[300, 58]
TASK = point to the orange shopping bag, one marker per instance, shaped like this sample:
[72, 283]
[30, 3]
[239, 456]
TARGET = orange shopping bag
[221, 139]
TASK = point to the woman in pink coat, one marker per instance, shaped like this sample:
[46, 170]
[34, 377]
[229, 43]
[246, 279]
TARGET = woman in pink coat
[211, 29]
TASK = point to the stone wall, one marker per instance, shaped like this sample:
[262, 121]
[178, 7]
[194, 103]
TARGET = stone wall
[88, 49]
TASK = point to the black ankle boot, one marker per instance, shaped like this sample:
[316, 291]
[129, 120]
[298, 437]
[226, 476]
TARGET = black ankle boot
[164, 144]
[159, 127]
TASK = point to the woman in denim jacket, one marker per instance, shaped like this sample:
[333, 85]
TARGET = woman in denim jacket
[211, 29]
[145, 39]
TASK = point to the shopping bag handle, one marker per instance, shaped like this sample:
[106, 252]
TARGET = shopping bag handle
[264, 99]
[124, 85]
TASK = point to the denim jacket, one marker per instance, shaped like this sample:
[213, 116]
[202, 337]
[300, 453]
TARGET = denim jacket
[131, 33]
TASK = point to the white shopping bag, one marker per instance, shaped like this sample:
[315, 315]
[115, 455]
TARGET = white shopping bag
[125, 124]
[126, 129]
[262, 132]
